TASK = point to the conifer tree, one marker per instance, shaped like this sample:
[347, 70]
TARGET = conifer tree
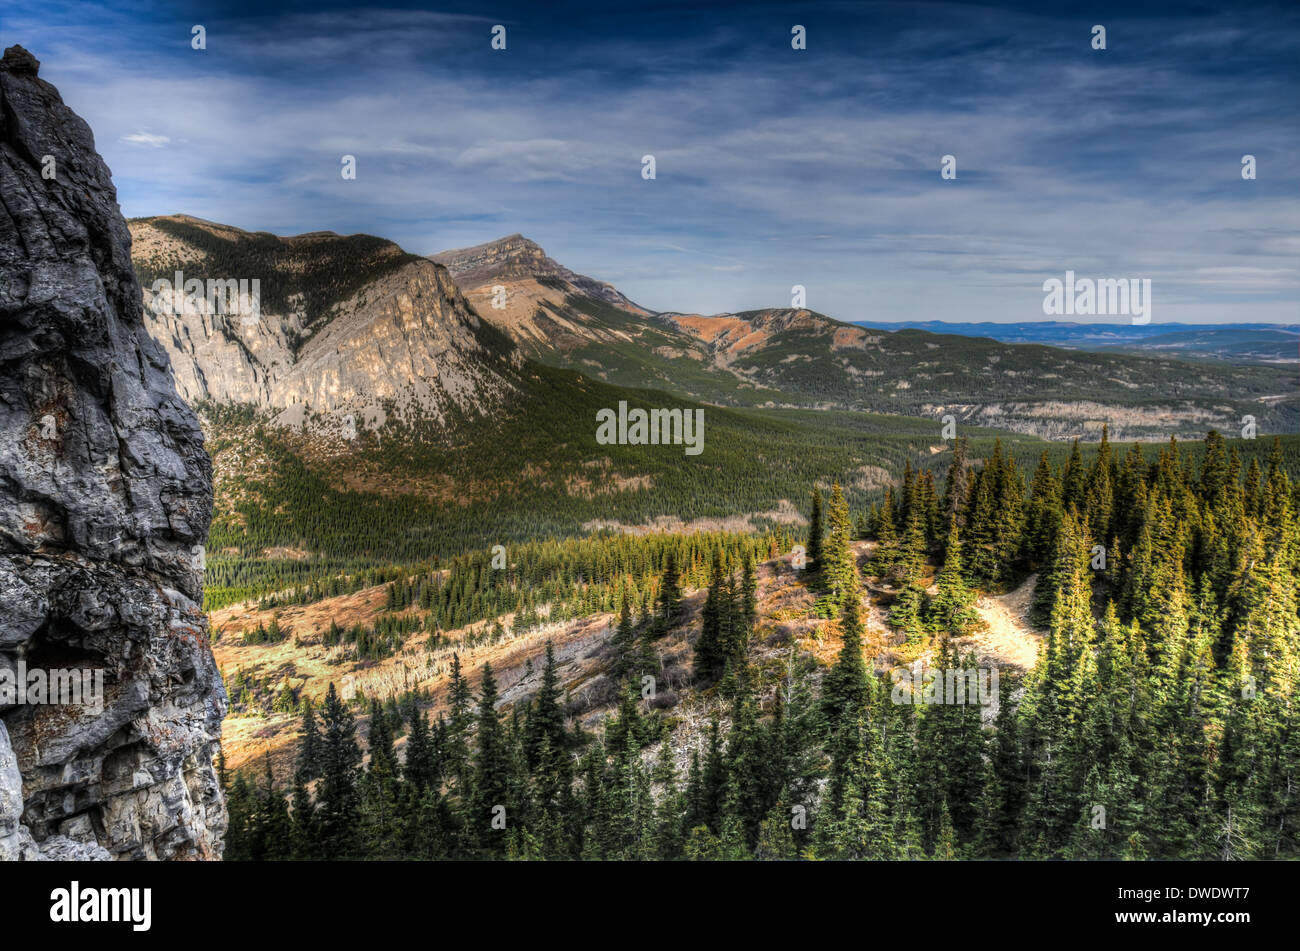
[380, 790]
[459, 718]
[956, 489]
[545, 724]
[273, 833]
[422, 767]
[623, 644]
[711, 650]
[844, 689]
[241, 809]
[815, 531]
[339, 807]
[951, 608]
[839, 570]
[1042, 514]
[302, 831]
[490, 812]
[670, 591]
[309, 750]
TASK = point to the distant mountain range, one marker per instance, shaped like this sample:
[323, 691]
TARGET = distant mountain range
[355, 325]
[799, 358]
[1234, 343]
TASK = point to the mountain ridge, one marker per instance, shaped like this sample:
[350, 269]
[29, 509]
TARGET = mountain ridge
[391, 336]
[505, 301]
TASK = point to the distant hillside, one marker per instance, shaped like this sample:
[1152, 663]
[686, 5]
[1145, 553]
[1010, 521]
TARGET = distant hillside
[572, 321]
[1044, 391]
[799, 358]
[1234, 343]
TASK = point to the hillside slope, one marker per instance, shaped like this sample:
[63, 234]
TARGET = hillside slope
[347, 326]
[1043, 391]
[785, 357]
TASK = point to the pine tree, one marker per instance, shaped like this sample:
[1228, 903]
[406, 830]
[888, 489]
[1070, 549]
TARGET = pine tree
[459, 718]
[906, 613]
[669, 807]
[815, 531]
[422, 767]
[1074, 481]
[380, 790]
[241, 810]
[309, 749]
[302, 832]
[339, 807]
[1042, 514]
[844, 689]
[670, 591]
[1003, 795]
[956, 489]
[951, 608]
[545, 724]
[273, 826]
[748, 609]
[623, 644]
[839, 569]
[489, 803]
[717, 618]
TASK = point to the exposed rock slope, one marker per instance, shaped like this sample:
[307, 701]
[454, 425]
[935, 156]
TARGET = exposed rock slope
[344, 326]
[105, 499]
[531, 297]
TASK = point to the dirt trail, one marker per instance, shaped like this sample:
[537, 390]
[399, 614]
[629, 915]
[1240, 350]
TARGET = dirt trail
[1010, 639]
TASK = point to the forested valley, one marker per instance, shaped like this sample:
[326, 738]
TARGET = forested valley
[1160, 720]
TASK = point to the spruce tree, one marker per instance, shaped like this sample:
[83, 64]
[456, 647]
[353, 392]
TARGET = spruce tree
[380, 790]
[839, 568]
[815, 531]
[490, 812]
[950, 610]
[339, 806]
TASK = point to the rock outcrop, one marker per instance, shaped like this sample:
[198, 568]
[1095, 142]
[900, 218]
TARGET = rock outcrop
[105, 499]
[345, 326]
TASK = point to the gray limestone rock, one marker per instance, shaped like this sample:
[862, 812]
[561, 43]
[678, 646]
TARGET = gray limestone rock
[105, 496]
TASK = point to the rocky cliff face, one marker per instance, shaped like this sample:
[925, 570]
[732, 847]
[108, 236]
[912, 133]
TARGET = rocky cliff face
[105, 498]
[344, 327]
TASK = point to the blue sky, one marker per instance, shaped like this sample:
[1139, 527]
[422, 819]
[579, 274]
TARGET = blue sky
[775, 167]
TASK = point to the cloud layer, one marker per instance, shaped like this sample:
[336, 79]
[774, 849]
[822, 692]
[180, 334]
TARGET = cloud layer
[774, 166]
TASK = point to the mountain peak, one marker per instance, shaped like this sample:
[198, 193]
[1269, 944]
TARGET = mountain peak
[515, 259]
[509, 258]
[342, 326]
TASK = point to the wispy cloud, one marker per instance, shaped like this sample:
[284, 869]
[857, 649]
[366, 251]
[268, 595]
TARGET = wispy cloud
[774, 167]
[146, 138]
